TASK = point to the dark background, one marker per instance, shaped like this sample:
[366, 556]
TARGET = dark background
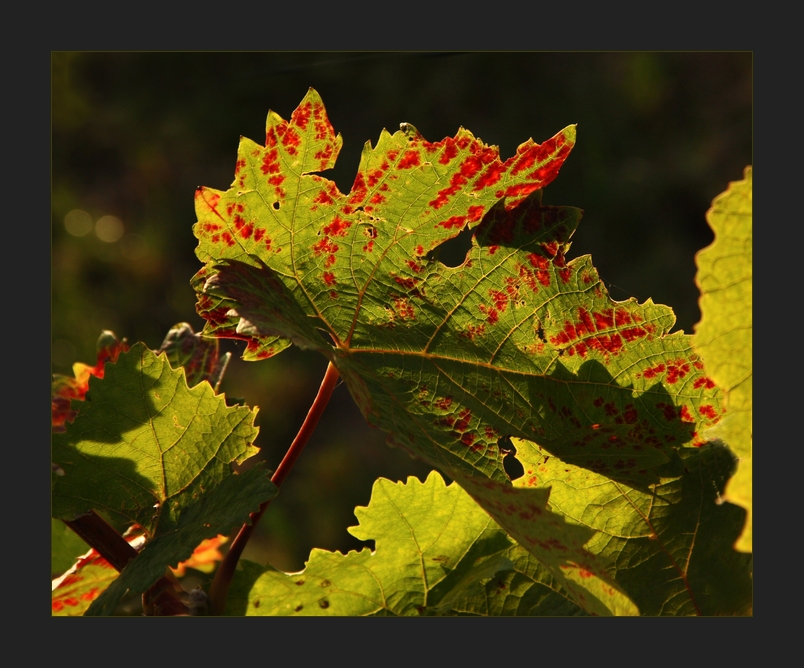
[659, 135]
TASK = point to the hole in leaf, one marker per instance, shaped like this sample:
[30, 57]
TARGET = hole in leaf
[512, 466]
[452, 253]
[275, 206]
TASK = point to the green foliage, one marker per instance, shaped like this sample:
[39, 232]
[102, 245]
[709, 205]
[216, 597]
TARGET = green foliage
[163, 452]
[725, 334]
[619, 510]
[437, 553]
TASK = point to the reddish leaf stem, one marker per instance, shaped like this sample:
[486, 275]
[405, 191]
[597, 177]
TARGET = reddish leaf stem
[223, 576]
[97, 533]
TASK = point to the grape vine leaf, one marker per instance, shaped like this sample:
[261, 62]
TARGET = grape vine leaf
[436, 553]
[672, 544]
[516, 341]
[164, 453]
[65, 390]
[198, 356]
[74, 591]
[724, 336]
[65, 547]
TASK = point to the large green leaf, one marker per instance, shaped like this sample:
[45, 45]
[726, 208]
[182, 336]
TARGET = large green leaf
[436, 553]
[516, 341]
[724, 337]
[146, 448]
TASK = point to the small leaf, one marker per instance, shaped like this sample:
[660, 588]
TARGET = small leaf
[64, 389]
[199, 356]
[146, 448]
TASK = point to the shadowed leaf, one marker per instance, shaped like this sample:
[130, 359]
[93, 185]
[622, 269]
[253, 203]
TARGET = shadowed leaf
[165, 452]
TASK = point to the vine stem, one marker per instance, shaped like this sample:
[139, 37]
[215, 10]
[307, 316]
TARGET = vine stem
[163, 597]
[223, 576]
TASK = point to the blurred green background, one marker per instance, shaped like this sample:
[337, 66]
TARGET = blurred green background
[133, 134]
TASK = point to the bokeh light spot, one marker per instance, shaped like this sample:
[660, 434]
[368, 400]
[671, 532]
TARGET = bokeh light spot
[109, 229]
[78, 223]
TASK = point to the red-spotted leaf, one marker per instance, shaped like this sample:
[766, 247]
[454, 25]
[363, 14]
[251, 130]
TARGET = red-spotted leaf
[198, 356]
[516, 341]
[65, 390]
[74, 591]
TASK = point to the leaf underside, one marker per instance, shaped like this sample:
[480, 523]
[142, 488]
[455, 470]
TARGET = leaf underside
[516, 341]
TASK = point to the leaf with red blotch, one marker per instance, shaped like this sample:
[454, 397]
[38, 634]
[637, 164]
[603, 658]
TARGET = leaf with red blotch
[65, 389]
[199, 356]
[516, 341]
[74, 591]
[204, 557]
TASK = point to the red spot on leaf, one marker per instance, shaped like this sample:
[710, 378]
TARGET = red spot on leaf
[468, 439]
[301, 116]
[323, 198]
[444, 404]
[453, 223]
[708, 411]
[652, 372]
[630, 415]
[407, 283]
[410, 159]
[491, 176]
[708, 383]
[270, 162]
[676, 370]
[403, 308]
[329, 278]
[338, 227]
[633, 333]
[604, 319]
[449, 152]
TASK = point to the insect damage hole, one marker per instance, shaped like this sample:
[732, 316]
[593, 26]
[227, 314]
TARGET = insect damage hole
[512, 466]
[452, 253]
